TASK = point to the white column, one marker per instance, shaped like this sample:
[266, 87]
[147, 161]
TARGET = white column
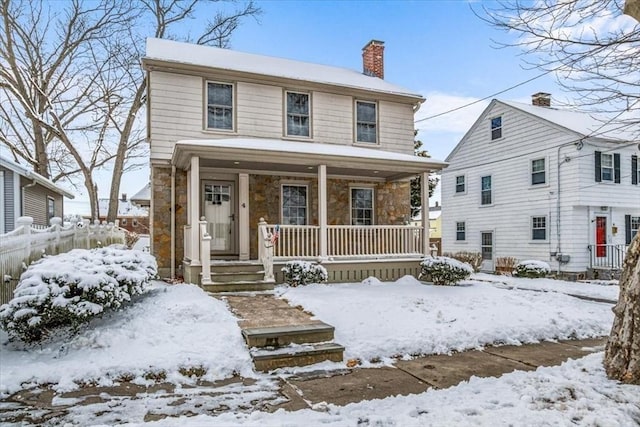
[194, 202]
[243, 217]
[322, 209]
[424, 192]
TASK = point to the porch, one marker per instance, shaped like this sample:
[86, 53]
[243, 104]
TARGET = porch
[607, 256]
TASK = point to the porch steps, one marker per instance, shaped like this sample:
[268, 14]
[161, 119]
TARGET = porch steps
[239, 286]
[278, 336]
[296, 355]
[237, 276]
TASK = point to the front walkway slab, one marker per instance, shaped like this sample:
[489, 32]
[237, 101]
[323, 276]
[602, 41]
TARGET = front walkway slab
[542, 354]
[264, 310]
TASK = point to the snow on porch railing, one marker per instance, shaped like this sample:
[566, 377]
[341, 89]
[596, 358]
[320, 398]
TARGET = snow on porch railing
[28, 243]
[373, 240]
[607, 256]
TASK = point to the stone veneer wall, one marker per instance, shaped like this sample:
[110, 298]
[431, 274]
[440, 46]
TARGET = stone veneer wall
[392, 202]
[161, 216]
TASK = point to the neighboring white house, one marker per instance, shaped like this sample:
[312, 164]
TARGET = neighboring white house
[536, 182]
[26, 193]
[324, 152]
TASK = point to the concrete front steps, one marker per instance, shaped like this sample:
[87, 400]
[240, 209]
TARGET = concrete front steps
[237, 276]
[292, 345]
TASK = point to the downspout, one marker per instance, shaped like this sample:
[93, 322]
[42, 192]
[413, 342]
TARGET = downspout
[173, 222]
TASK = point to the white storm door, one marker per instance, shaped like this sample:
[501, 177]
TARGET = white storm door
[486, 248]
[219, 211]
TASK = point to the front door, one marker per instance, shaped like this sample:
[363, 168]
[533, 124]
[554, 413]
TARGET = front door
[486, 248]
[219, 211]
[601, 236]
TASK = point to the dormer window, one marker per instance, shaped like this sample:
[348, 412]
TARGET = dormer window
[366, 122]
[496, 128]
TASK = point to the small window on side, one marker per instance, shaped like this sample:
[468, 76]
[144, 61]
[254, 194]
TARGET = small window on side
[496, 128]
[460, 184]
[538, 172]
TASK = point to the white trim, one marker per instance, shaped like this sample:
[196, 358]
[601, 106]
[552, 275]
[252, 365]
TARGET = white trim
[17, 199]
[206, 127]
[355, 123]
[2, 201]
[295, 184]
[322, 209]
[285, 128]
[373, 201]
[613, 167]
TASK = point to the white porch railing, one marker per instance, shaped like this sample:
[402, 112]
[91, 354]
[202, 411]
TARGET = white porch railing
[295, 241]
[607, 256]
[27, 243]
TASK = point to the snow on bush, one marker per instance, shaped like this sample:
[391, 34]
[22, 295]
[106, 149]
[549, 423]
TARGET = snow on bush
[303, 272]
[443, 270]
[70, 288]
[532, 269]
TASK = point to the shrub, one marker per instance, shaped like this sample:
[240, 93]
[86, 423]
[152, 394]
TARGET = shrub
[532, 269]
[131, 238]
[505, 265]
[67, 290]
[443, 270]
[303, 272]
[474, 259]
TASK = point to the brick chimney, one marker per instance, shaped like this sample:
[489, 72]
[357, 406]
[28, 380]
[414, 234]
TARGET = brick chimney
[541, 99]
[373, 59]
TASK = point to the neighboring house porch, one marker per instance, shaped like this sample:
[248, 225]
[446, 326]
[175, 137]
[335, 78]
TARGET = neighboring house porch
[348, 207]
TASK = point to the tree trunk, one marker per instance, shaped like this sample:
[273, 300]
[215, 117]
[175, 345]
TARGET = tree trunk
[622, 355]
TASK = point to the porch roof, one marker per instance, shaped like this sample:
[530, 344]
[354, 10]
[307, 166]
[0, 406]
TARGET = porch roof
[302, 157]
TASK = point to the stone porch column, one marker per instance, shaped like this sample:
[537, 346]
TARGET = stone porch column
[322, 209]
[193, 202]
[424, 190]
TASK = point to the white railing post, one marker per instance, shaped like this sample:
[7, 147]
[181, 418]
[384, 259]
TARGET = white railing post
[56, 224]
[265, 250]
[205, 251]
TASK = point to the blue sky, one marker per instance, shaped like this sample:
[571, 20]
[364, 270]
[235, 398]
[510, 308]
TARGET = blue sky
[437, 48]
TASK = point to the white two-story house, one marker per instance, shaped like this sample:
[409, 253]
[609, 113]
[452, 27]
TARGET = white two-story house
[537, 182]
[251, 154]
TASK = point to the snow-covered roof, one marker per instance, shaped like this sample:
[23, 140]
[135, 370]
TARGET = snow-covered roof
[187, 53]
[125, 208]
[29, 174]
[144, 194]
[586, 124]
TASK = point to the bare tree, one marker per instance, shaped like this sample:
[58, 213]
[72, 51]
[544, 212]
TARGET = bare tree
[590, 46]
[71, 85]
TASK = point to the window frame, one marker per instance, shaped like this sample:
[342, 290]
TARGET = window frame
[206, 106]
[482, 191]
[462, 230]
[373, 203]
[51, 208]
[123, 221]
[533, 228]
[464, 184]
[543, 171]
[612, 167]
[356, 122]
[134, 222]
[631, 221]
[493, 129]
[286, 114]
[306, 207]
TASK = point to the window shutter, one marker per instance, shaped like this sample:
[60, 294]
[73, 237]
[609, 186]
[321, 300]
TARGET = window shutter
[634, 169]
[598, 166]
[616, 168]
[627, 229]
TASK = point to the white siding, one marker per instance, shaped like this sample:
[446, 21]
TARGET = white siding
[177, 112]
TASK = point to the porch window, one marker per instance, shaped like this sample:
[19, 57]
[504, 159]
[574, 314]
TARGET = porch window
[460, 185]
[51, 207]
[485, 197]
[496, 128]
[294, 204]
[539, 228]
[298, 114]
[538, 172]
[219, 106]
[362, 206]
[366, 122]
[461, 231]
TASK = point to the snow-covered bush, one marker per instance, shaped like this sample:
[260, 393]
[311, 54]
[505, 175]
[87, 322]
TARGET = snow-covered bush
[474, 259]
[70, 288]
[442, 270]
[131, 238]
[532, 269]
[303, 272]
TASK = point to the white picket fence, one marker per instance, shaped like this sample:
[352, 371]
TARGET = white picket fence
[28, 243]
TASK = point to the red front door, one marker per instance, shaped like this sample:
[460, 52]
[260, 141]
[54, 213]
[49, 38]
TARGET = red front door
[601, 236]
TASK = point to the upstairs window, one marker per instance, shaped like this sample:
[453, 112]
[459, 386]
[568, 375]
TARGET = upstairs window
[366, 122]
[539, 228]
[485, 195]
[635, 170]
[219, 106]
[607, 167]
[298, 114]
[461, 231]
[460, 186]
[538, 172]
[496, 128]
[294, 204]
[361, 206]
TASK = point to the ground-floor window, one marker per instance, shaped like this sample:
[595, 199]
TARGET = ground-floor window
[294, 204]
[361, 206]
[539, 228]
[461, 229]
[632, 227]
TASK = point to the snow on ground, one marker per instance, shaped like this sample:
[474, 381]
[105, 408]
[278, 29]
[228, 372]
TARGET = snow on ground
[575, 393]
[168, 328]
[376, 320]
[604, 289]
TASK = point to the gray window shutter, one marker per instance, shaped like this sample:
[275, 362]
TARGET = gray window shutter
[627, 229]
[634, 170]
[616, 168]
[598, 166]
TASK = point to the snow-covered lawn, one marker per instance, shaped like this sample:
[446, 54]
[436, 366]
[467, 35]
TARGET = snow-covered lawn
[377, 320]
